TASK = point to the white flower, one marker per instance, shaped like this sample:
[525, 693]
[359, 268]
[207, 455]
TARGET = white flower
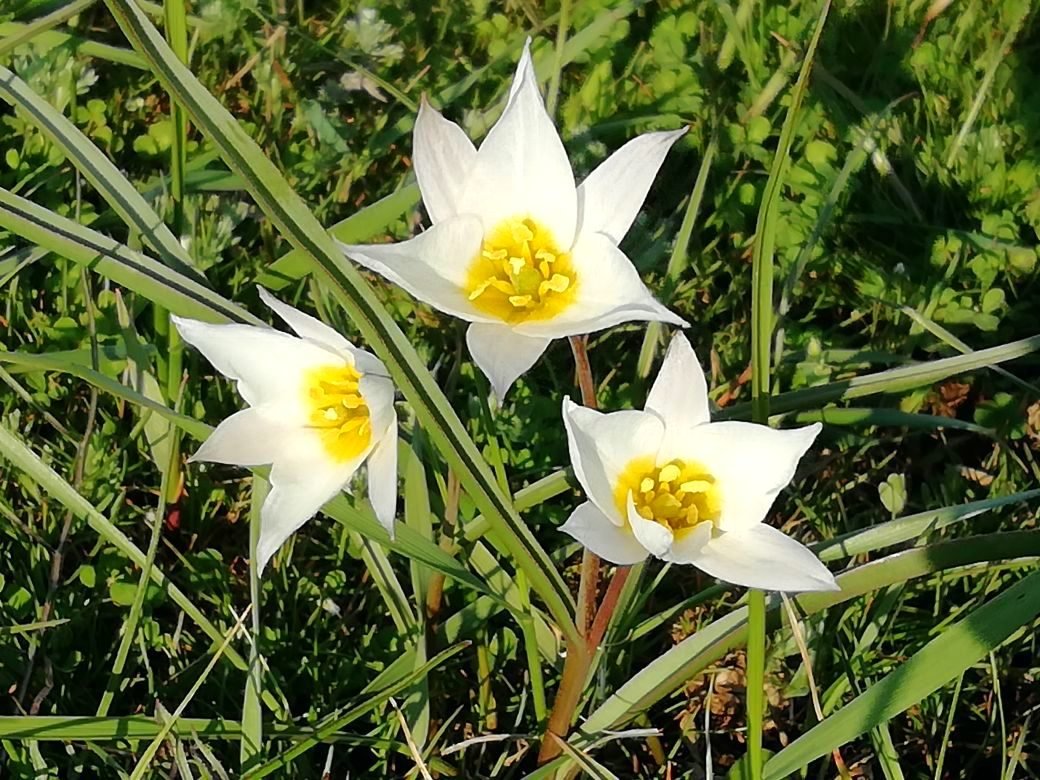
[318, 408]
[516, 248]
[668, 482]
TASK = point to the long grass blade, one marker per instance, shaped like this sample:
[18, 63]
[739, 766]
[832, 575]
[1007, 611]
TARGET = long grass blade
[941, 660]
[101, 172]
[277, 199]
[22, 458]
[691, 656]
[158, 283]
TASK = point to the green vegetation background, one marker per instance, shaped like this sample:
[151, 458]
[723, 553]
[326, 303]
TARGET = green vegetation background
[909, 224]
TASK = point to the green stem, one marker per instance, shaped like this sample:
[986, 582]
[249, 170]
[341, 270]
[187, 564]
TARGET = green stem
[561, 39]
[175, 19]
[534, 659]
[756, 668]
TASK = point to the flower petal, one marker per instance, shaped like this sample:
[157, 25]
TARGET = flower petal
[378, 393]
[308, 327]
[608, 292]
[762, 557]
[610, 198]
[521, 168]
[655, 537]
[602, 445]
[251, 437]
[268, 365]
[598, 533]
[299, 488]
[382, 478]
[432, 266]
[502, 354]
[752, 464]
[443, 156]
[679, 396]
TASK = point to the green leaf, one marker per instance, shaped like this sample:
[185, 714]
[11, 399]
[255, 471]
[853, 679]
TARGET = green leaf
[290, 214]
[138, 272]
[25, 460]
[355, 229]
[663, 675]
[938, 662]
[101, 172]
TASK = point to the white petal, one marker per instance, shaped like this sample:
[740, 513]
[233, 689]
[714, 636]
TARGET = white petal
[610, 198]
[602, 445]
[688, 545]
[599, 534]
[762, 557]
[653, 536]
[521, 167]
[382, 478]
[524, 64]
[299, 488]
[269, 366]
[378, 393]
[251, 437]
[432, 266]
[502, 354]
[608, 292]
[679, 396]
[752, 464]
[308, 327]
[443, 156]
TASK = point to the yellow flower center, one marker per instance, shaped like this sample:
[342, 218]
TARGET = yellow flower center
[521, 274]
[337, 410]
[679, 495]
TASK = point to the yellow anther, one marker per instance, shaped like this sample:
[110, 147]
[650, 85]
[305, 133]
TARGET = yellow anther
[337, 410]
[521, 274]
[678, 495]
[669, 473]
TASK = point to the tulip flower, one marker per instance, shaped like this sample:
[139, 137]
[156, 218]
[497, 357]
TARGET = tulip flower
[670, 483]
[319, 407]
[515, 248]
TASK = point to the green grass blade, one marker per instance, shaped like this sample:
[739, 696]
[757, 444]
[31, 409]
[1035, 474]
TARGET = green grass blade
[101, 172]
[84, 46]
[910, 527]
[938, 662]
[251, 749]
[357, 228]
[893, 380]
[762, 260]
[865, 416]
[31, 29]
[26, 461]
[281, 204]
[678, 261]
[406, 542]
[132, 619]
[670, 671]
[145, 762]
[135, 271]
[340, 719]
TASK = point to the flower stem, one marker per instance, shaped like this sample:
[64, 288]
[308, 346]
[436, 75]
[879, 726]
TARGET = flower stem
[579, 654]
[756, 667]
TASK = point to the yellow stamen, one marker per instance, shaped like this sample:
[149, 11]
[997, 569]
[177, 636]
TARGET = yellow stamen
[679, 495]
[521, 274]
[337, 410]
